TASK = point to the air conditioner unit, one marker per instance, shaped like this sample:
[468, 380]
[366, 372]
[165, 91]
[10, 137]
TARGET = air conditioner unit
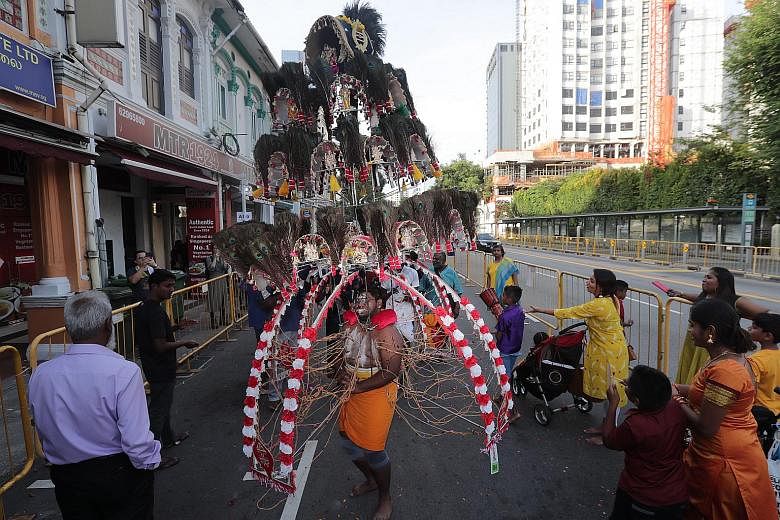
[100, 23]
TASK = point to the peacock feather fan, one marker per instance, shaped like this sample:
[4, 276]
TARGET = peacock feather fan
[419, 209]
[333, 226]
[466, 203]
[381, 218]
[371, 20]
[442, 205]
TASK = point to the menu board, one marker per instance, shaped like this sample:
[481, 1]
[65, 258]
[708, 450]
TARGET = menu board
[201, 225]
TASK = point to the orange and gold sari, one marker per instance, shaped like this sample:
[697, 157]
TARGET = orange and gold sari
[728, 477]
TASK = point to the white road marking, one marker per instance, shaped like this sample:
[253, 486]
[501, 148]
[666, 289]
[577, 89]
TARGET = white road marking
[650, 304]
[41, 484]
[290, 511]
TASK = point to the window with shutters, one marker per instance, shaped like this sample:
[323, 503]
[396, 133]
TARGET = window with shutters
[12, 12]
[186, 68]
[150, 49]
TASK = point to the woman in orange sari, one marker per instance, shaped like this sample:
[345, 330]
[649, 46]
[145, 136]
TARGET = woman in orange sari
[728, 477]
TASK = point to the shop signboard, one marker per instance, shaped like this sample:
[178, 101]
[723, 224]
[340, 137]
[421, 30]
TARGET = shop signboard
[26, 71]
[156, 134]
[201, 226]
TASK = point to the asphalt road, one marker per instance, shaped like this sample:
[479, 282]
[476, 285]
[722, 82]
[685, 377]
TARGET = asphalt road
[545, 472]
[540, 289]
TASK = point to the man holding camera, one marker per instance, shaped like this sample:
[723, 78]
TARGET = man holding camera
[138, 274]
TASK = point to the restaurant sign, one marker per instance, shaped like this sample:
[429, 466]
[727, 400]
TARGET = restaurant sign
[149, 131]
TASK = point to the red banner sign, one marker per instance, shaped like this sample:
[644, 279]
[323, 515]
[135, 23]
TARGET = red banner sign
[202, 218]
[17, 260]
[160, 136]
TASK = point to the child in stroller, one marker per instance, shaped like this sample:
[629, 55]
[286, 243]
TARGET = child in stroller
[552, 368]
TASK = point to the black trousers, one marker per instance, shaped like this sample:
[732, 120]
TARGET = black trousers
[107, 488]
[626, 508]
[160, 402]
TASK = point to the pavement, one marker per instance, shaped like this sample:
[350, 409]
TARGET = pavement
[545, 472]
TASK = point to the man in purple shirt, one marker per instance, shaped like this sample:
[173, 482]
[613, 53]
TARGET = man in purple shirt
[90, 411]
[509, 331]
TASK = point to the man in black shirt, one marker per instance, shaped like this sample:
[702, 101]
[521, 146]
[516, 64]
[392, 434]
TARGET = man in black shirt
[157, 345]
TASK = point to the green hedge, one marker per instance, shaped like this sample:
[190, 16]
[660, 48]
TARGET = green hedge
[711, 167]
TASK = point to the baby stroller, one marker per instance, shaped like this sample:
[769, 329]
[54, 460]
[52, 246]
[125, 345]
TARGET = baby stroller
[550, 369]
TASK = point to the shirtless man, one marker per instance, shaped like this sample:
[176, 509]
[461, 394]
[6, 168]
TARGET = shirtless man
[372, 362]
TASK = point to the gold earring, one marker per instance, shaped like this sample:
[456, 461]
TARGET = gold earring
[710, 341]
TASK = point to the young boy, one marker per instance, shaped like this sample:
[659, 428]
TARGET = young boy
[621, 287]
[765, 363]
[509, 332]
[653, 478]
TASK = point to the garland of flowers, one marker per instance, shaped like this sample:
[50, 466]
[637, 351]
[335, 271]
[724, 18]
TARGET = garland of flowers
[249, 430]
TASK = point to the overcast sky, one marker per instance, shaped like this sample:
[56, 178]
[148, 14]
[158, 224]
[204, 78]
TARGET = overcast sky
[444, 47]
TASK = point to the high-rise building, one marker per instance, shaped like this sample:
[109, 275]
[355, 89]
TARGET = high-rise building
[584, 77]
[292, 56]
[696, 66]
[601, 77]
[502, 84]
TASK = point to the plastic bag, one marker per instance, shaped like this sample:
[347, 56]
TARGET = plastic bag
[773, 461]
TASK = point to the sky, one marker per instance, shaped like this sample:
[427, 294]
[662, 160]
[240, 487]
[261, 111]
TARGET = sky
[443, 46]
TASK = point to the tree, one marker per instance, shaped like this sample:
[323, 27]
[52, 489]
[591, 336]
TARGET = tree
[465, 175]
[753, 65]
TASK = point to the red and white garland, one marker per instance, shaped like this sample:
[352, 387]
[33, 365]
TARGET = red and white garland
[485, 335]
[295, 381]
[470, 361]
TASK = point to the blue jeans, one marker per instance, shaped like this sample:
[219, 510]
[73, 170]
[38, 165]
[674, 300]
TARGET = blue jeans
[509, 362]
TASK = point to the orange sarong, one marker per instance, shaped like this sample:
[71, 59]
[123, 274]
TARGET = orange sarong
[366, 417]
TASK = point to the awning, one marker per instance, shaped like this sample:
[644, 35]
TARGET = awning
[153, 167]
[155, 172]
[41, 138]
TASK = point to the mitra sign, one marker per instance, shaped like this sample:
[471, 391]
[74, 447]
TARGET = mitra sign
[158, 135]
[26, 72]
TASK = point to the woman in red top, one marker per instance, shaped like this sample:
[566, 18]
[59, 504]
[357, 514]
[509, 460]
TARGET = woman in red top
[728, 477]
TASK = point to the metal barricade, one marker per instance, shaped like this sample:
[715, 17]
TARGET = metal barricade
[540, 288]
[19, 449]
[204, 311]
[207, 313]
[676, 312]
[644, 308]
[645, 335]
[55, 342]
[766, 261]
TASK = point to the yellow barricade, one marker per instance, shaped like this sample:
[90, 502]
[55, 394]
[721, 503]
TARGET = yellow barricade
[16, 424]
[676, 312]
[204, 311]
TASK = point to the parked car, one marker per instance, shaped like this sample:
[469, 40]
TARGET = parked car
[486, 242]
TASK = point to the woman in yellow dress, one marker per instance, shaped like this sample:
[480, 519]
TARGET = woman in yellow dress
[727, 472]
[606, 349]
[718, 283]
